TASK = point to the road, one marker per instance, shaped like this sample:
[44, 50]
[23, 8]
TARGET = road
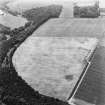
[93, 85]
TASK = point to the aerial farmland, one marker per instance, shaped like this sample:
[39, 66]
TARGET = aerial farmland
[52, 52]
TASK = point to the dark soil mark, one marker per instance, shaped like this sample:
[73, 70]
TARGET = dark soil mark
[69, 77]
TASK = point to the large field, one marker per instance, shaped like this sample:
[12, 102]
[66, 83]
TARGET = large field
[53, 65]
[72, 28]
[65, 26]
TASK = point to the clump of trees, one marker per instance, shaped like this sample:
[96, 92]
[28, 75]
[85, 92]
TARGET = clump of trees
[35, 13]
[87, 11]
[15, 31]
[3, 32]
[4, 29]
